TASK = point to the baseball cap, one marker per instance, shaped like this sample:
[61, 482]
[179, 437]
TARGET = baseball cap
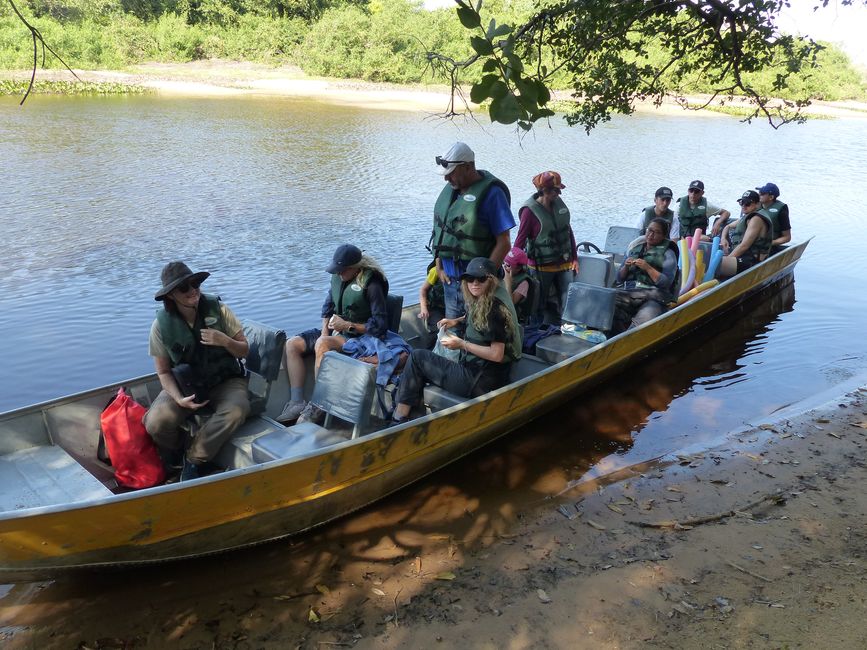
[516, 257]
[769, 188]
[750, 196]
[345, 256]
[664, 192]
[459, 154]
[479, 267]
[696, 185]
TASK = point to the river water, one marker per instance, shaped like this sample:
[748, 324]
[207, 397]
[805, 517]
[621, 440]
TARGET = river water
[98, 193]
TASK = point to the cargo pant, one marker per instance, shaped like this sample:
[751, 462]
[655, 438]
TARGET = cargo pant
[230, 405]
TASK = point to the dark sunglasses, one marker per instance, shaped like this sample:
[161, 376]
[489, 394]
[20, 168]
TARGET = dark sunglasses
[188, 285]
[442, 162]
[694, 190]
[477, 280]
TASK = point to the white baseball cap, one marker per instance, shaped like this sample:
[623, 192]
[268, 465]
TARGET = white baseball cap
[459, 154]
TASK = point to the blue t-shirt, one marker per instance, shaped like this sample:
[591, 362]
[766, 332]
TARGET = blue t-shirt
[495, 213]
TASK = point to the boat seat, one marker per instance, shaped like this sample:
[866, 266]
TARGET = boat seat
[45, 476]
[587, 305]
[596, 269]
[237, 452]
[437, 398]
[617, 241]
[394, 309]
[345, 388]
[263, 361]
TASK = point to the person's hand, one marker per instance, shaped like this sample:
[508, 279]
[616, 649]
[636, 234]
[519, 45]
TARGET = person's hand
[443, 276]
[630, 261]
[215, 337]
[338, 324]
[190, 402]
[447, 323]
[724, 244]
[507, 272]
[576, 268]
[423, 313]
[452, 342]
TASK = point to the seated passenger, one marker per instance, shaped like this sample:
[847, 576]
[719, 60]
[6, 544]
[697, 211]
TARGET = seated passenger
[779, 213]
[198, 337]
[355, 305]
[693, 211]
[492, 343]
[518, 284]
[661, 201]
[646, 278]
[431, 298]
[747, 241]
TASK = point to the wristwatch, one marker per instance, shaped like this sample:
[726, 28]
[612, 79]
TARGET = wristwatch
[351, 329]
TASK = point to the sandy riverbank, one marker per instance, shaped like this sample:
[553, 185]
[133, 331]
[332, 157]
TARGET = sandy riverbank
[229, 78]
[762, 545]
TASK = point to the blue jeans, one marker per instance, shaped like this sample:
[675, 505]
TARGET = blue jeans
[454, 299]
[559, 281]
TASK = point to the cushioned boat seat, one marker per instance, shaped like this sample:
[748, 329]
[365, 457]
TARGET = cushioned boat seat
[587, 305]
[263, 361]
[618, 239]
[596, 269]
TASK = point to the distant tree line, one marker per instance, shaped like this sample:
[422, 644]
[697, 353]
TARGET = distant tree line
[377, 40]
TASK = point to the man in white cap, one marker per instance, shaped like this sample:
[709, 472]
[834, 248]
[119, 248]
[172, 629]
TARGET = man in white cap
[472, 218]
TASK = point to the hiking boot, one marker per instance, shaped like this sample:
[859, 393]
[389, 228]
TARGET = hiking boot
[312, 413]
[291, 411]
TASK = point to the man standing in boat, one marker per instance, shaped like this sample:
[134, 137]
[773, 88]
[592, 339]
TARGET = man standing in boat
[747, 241]
[779, 213]
[197, 343]
[472, 218]
[355, 305]
[694, 211]
[660, 209]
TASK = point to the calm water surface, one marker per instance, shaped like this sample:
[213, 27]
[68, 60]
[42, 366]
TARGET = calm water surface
[99, 193]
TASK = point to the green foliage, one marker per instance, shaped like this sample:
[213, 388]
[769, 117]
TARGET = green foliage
[9, 87]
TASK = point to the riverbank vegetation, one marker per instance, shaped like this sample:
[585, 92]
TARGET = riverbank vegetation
[376, 40]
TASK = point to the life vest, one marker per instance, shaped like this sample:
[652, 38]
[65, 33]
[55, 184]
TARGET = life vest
[691, 217]
[213, 364]
[761, 247]
[650, 215]
[653, 255]
[483, 337]
[553, 243]
[524, 309]
[773, 211]
[458, 233]
[350, 298]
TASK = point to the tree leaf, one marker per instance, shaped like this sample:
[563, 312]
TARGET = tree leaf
[506, 109]
[469, 18]
[445, 575]
[481, 46]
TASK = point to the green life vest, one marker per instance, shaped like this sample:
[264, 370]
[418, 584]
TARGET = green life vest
[513, 336]
[350, 298]
[524, 308]
[761, 247]
[653, 255]
[553, 243]
[458, 233]
[691, 217]
[213, 364]
[773, 211]
[650, 215]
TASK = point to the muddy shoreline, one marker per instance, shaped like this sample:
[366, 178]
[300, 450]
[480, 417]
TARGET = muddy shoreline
[759, 543]
[217, 78]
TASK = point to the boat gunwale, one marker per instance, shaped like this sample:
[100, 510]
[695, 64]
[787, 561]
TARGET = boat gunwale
[277, 464]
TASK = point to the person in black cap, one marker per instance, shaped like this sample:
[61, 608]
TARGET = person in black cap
[355, 305]
[491, 343]
[660, 209]
[694, 211]
[747, 241]
[196, 342]
[769, 196]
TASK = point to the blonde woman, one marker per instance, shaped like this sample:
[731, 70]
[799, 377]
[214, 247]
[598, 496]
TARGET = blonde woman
[491, 343]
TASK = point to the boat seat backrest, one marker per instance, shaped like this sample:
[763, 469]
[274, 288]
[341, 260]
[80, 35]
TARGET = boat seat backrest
[596, 269]
[345, 388]
[394, 307]
[590, 305]
[618, 238]
[266, 349]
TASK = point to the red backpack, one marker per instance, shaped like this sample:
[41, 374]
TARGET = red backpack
[133, 454]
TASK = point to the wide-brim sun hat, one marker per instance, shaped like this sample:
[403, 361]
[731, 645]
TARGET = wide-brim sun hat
[174, 274]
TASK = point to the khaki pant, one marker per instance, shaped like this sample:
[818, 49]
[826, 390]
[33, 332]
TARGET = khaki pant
[230, 406]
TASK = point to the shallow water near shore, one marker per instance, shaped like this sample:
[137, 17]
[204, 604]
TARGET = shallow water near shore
[99, 193]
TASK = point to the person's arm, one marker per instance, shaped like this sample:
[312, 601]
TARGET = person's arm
[529, 227]
[674, 232]
[501, 248]
[719, 223]
[520, 292]
[236, 345]
[669, 269]
[785, 227]
[496, 351]
[575, 266]
[423, 310]
[755, 227]
[377, 324]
